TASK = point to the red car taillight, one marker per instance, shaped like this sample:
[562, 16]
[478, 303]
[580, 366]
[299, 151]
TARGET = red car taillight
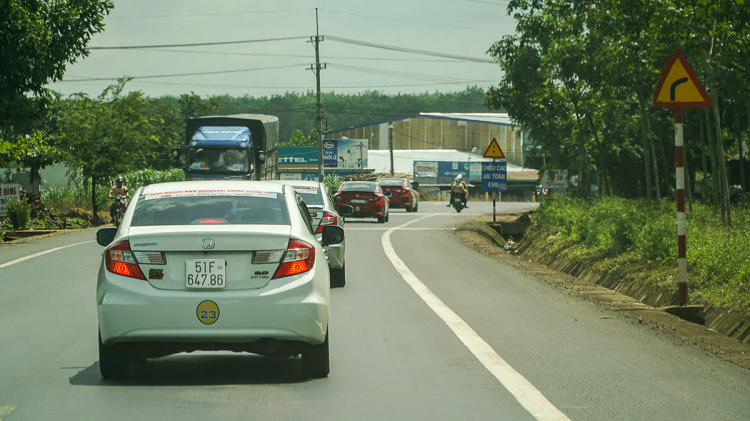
[299, 258]
[327, 219]
[120, 260]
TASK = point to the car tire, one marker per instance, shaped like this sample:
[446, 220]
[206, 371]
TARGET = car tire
[381, 219]
[338, 277]
[113, 362]
[315, 360]
[416, 207]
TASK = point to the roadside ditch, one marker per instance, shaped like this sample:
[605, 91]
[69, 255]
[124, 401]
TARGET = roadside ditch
[628, 291]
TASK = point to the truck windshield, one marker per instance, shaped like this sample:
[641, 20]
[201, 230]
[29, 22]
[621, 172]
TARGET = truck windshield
[218, 159]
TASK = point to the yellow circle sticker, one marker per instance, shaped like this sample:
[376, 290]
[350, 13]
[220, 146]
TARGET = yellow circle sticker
[207, 312]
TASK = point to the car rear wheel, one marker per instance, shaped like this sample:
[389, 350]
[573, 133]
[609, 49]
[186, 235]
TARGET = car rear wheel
[381, 219]
[387, 216]
[315, 361]
[113, 362]
[416, 207]
[338, 277]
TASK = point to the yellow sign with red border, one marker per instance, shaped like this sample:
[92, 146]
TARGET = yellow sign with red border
[678, 86]
[494, 151]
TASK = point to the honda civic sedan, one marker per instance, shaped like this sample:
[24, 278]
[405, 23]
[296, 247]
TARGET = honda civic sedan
[214, 265]
[366, 197]
[400, 193]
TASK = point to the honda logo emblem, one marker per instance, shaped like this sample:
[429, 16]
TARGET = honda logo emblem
[208, 243]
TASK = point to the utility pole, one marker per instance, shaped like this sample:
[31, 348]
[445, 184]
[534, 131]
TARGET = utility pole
[390, 141]
[319, 120]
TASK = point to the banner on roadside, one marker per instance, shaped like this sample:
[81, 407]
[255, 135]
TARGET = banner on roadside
[8, 192]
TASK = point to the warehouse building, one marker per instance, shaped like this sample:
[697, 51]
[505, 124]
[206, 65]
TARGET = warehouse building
[457, 131]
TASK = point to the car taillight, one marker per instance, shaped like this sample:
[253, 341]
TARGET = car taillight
[376, 197]
[188, 178]
[299, 258]
[120, 260]
[327, 219]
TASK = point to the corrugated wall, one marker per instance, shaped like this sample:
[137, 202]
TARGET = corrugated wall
[438, 133]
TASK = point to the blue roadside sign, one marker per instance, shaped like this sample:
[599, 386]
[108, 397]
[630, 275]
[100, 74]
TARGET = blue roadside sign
[495, 176]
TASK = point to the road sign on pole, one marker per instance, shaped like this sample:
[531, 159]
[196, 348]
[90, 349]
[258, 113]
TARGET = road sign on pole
[679, 88]
[494, 151]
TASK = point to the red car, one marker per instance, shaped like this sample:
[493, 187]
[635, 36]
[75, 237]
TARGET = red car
[400, 193]
[366, 197]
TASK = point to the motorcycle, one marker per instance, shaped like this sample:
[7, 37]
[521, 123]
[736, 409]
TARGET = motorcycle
[457, 201]
[119, 210]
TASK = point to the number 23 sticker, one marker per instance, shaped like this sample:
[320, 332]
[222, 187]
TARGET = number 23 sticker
[207, 312]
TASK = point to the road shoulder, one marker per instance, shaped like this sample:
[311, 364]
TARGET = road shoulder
[708, 340]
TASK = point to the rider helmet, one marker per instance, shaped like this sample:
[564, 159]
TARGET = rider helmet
[459, 177]
[120, 179]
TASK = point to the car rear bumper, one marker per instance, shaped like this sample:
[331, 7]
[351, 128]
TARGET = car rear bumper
[363, 211]
[293, 309]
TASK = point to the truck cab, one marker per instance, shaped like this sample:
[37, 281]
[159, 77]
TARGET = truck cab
[220, 153]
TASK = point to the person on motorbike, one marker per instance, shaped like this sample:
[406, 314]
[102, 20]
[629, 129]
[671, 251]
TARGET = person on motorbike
[118, 189]
[459, 186]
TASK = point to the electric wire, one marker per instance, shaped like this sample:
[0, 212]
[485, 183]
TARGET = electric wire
[210, 14]
[338, 12]
[182, 74]
[408, 50]
[195, 44]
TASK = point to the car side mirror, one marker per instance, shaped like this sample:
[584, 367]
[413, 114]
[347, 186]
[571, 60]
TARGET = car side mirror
[346, 210]
[332, 234]
[336, 199]
[105, 236]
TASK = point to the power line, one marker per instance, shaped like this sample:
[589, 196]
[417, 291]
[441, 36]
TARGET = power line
[207, 85]
[412, 21]
[307, 56]
[504, 3]
[210, 14]
[183, 74]
[196, 44]
[409, 50]
[392, 73]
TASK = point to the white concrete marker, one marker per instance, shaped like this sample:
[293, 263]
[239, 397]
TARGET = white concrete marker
[41, 253]
[525, 393]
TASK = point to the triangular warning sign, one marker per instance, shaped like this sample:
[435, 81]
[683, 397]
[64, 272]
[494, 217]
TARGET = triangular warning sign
[678, 86]
[494, 151]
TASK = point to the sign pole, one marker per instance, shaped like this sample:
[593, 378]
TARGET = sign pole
[494, 215]
[681, 226]
[679, 88]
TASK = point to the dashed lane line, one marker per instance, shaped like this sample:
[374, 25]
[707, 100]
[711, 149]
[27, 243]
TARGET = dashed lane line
[42, 253]
[522, 390]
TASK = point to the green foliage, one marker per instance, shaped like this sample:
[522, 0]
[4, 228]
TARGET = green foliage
[19, 213]
[609, 232]
[298, 138]
[333, 182]
[37, 40]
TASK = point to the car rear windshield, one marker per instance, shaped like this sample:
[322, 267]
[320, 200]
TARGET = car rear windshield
[391, 183]
[310, 194]
[358, 187]
[259, 208]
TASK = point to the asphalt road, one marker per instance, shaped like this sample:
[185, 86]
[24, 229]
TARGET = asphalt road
[446, 334]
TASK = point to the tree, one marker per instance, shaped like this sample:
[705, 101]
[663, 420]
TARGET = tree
[37, 40]
[34, 153]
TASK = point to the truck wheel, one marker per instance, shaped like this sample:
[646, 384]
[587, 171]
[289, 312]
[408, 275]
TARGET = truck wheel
[338, 277]
[113, 362]
[315, 360]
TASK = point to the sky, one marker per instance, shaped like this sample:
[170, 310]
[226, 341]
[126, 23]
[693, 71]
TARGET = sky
[465, 28]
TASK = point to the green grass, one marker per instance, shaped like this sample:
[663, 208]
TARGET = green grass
[615, 234]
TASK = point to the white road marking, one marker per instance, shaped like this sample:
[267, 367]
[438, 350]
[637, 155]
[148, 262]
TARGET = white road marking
[525, 393]
[41, 253]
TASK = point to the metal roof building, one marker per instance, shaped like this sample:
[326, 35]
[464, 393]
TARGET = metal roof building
[427, 131]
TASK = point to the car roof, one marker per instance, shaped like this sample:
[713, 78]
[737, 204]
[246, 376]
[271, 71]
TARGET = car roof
[264, 186]
[299, 183]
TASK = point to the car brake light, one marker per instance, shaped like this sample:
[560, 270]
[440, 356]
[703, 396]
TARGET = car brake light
[212, 221]
[327, 219]
[299, 258]
[188, 178]
[120, 260]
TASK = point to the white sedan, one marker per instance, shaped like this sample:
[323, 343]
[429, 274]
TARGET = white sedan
[214, 265]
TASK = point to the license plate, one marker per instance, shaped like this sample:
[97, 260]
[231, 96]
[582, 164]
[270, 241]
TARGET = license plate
[358, 201]
[205, 273]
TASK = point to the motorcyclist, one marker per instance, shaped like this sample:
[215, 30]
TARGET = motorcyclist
[118, 189]
[459, 186]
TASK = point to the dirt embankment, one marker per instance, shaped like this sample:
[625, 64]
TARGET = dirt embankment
[627, 291]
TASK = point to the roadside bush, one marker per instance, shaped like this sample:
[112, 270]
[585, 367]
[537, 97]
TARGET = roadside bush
[333, 182]
[608, 232]
[19, 213]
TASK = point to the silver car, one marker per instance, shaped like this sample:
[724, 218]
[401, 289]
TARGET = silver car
[320, 204]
